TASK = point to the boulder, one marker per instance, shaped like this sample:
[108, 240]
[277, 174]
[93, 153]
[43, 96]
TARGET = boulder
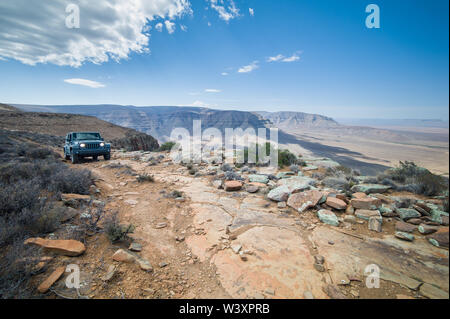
[407, 213]
[279, 194]
[71, 248]
[328, 217]
[336, 203]
[47, 283]
[231, 186]
[366, 203]
[304, 200]
[371, 188]
[297, 183]
[259, 179]
[366, 214]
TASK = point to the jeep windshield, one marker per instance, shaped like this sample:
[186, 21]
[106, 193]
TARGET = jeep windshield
[86, 136]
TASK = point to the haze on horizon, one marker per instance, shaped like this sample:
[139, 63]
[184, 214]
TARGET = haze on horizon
[315, 57]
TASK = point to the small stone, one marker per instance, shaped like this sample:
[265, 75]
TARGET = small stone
[270, 291]
[135, 247]
[163, 264]
[442, 237]
[123, 256]
[404, 236]
[232, 186]
[282, 205]
[319, 259]
[236, 248]
[47, 283]
[426, 229]
[350, 219]
[251, 189]
[110, 273]
[319, 267]
[375, 224]
[308, 295]
[328, 217]
[336, 203]
[161, 225]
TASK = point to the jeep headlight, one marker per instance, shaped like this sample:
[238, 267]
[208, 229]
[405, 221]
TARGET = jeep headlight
[102, 144]
[82, 145]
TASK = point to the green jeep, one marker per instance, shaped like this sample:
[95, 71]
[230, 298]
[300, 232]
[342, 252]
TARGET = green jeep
[86, 144]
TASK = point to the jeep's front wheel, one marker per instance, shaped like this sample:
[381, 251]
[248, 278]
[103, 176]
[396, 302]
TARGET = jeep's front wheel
[74, 158]
[107, 157]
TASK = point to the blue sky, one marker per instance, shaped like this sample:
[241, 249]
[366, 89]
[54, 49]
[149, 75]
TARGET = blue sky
[328, 61]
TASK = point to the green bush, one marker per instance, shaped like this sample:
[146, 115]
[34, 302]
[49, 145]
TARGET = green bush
[410, 177]
[286, 158]
[166, 146]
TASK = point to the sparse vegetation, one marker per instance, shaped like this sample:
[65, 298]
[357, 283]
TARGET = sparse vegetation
[145, 178]
[115, 231]
[407, 176]
[166, 146]
[31, 181]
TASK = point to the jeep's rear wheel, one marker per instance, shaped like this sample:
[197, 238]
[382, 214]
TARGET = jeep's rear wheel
[107, 157]
[74, 158]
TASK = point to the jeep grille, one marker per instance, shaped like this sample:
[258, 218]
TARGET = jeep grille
[91, 146]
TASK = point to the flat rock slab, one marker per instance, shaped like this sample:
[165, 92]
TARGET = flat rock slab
[304, 200]
[405, 263]
[407, 213]
[281, 266]
[70, 248]
[75, 200]
[47, 283]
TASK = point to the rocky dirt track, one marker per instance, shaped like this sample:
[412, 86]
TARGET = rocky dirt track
[211, 243]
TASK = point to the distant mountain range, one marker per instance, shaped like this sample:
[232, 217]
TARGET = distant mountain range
[159, 121]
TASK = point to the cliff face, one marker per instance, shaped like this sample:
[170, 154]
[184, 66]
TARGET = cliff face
[296, 120]
[159, 121]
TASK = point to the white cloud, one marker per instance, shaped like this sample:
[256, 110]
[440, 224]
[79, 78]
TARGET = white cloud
[201, 104]
[249, 68]
[282, 58]
[213, 91]
[35, 32]
[251, 11]
[84, 82]
[183, 27]
[293, 58]
[275, 58]
[159, 27]
[170, 26]
[209, 24]
[224, 73]
[226, 8]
